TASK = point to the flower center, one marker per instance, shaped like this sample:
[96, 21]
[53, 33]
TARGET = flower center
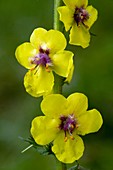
[80, 15]
[42, 58]
[68, 124]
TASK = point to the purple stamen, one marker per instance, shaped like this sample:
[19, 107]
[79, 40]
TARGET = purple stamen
[68, 124]
[80, 15]
[42, 58]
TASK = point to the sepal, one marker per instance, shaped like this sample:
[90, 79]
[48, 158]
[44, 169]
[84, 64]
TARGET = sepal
[44, 150]
[77, 167]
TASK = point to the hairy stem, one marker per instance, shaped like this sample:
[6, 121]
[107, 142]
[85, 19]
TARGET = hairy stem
[57, 26]
[59, 81]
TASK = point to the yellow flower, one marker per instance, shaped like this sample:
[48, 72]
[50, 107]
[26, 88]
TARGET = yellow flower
[79, 17]
[42, 55]
[64, 120]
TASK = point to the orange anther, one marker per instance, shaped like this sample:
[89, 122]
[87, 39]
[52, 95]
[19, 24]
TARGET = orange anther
[47, 68]
[72, 126]
[77, 125]
[32, 68]
[72, 137]
[65, 139]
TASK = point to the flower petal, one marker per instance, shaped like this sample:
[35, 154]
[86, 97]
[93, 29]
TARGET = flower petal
[55, 41]
[76, 3]
[23, 53]
[89, 122]
[77, 104]
[54, 105]
[38, 82]
[79, 35]
[62, 63]
[68, 151]
[70, 75]
[93, 13]
[66, 16]
[82, 3]
[44, 130]
[38, 37]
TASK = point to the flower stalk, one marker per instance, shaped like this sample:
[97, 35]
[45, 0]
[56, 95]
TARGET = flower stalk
[57, 22]
[61, 166]
[57, 26]
[58, 80]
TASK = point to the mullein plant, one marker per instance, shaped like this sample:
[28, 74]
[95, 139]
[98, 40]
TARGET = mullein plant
[58, 131]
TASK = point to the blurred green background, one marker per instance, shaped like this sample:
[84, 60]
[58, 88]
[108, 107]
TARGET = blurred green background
[93, 77]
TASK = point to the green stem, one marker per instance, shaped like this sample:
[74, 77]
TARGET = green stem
[59, 81]
[61, 166]
[57, 23]
[57, 26]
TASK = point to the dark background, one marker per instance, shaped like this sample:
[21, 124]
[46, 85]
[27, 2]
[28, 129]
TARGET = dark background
[93, 76]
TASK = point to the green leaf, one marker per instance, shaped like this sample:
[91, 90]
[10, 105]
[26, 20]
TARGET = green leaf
[44, 150]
